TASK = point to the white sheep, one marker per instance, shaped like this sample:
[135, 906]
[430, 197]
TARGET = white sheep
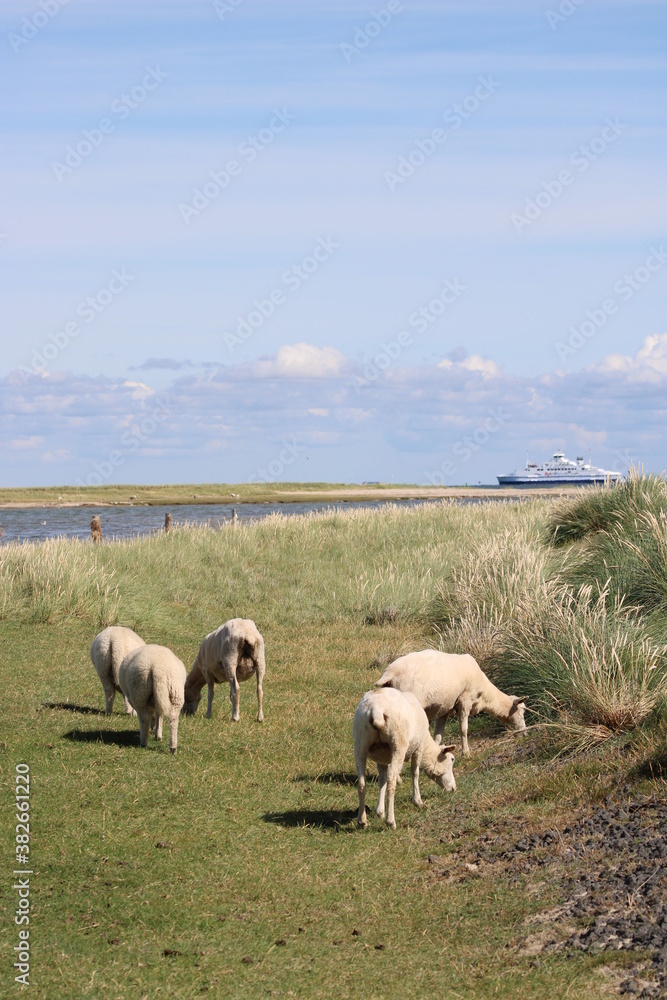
[107, 652]
[445, 683]
[152, 678]
[233, 652]
[390, 726]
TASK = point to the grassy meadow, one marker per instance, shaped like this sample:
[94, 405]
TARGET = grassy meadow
[236, 867]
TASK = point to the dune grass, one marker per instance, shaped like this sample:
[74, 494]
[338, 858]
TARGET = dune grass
[236, 868]
[603, 508]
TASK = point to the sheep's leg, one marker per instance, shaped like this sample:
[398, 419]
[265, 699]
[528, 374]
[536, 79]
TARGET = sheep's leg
[360, 762]
[382, 784]
[260, 695]
[145, 719]
[128, 708]
[109, 696]
[234, 697]
[211, 692]
[173, 732]
[158, 727]
[439, 729]
[393, 772]
[391, 791]
[463, 714]
[414, 765]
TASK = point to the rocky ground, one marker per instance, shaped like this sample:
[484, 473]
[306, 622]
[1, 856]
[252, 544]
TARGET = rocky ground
[609, 868]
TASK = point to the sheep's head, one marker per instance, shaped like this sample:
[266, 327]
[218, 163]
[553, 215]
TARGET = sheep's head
[443, 772]
[516, 714]
[192, 700]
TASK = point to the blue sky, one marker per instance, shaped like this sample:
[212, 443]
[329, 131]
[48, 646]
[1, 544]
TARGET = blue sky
[301, 304]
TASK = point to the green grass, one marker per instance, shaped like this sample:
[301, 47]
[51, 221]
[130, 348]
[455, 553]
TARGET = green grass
[257, 822]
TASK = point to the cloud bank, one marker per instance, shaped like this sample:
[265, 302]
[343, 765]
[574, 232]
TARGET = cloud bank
[459, 419]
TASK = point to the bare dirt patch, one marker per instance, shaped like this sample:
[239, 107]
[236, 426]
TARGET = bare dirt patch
[609, 868]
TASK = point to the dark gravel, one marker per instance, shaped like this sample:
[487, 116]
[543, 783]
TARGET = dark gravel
[611, 869]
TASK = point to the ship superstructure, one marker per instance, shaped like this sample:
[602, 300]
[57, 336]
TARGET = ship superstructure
[560, 471]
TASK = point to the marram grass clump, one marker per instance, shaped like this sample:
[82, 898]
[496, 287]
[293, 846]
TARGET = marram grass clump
[587, 662]
[481, 595]
[603, 508]
[579, 629]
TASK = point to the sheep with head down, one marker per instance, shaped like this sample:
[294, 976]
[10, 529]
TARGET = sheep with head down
[152, 678]
[447, 683]
[390, 727]
[107, 652]
[234, 652]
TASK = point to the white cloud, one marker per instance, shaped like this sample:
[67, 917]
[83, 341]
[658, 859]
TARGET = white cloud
[302, 361]
[650, 361]
[485, 366]
[139, 389]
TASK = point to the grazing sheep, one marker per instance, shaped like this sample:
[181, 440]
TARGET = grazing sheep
[234, 652]
[96, 529]
[445, 683]
[390, 726]
[107, 652]
[152, 678]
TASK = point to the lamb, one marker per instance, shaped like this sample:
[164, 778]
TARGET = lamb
[445, 683]
[390, 726]
[96, 529]
[107, 653]
[152, 678]
[233, 652]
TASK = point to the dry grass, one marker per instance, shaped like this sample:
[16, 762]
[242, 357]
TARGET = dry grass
[53, 580]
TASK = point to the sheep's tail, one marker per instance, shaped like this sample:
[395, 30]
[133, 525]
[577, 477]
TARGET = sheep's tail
[161, 693]
[378, 718]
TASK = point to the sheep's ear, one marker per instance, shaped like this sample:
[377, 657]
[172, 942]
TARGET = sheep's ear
[447, 749]
[519, 701]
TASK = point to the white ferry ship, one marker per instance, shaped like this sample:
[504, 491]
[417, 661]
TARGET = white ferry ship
[560, 471]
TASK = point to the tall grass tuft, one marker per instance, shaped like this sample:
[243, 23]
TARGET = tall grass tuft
[629, 560]
[588, 662]
[603, 508]
[51, 580]
[481, 595]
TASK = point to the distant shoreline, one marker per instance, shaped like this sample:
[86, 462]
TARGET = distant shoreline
[151, 496]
